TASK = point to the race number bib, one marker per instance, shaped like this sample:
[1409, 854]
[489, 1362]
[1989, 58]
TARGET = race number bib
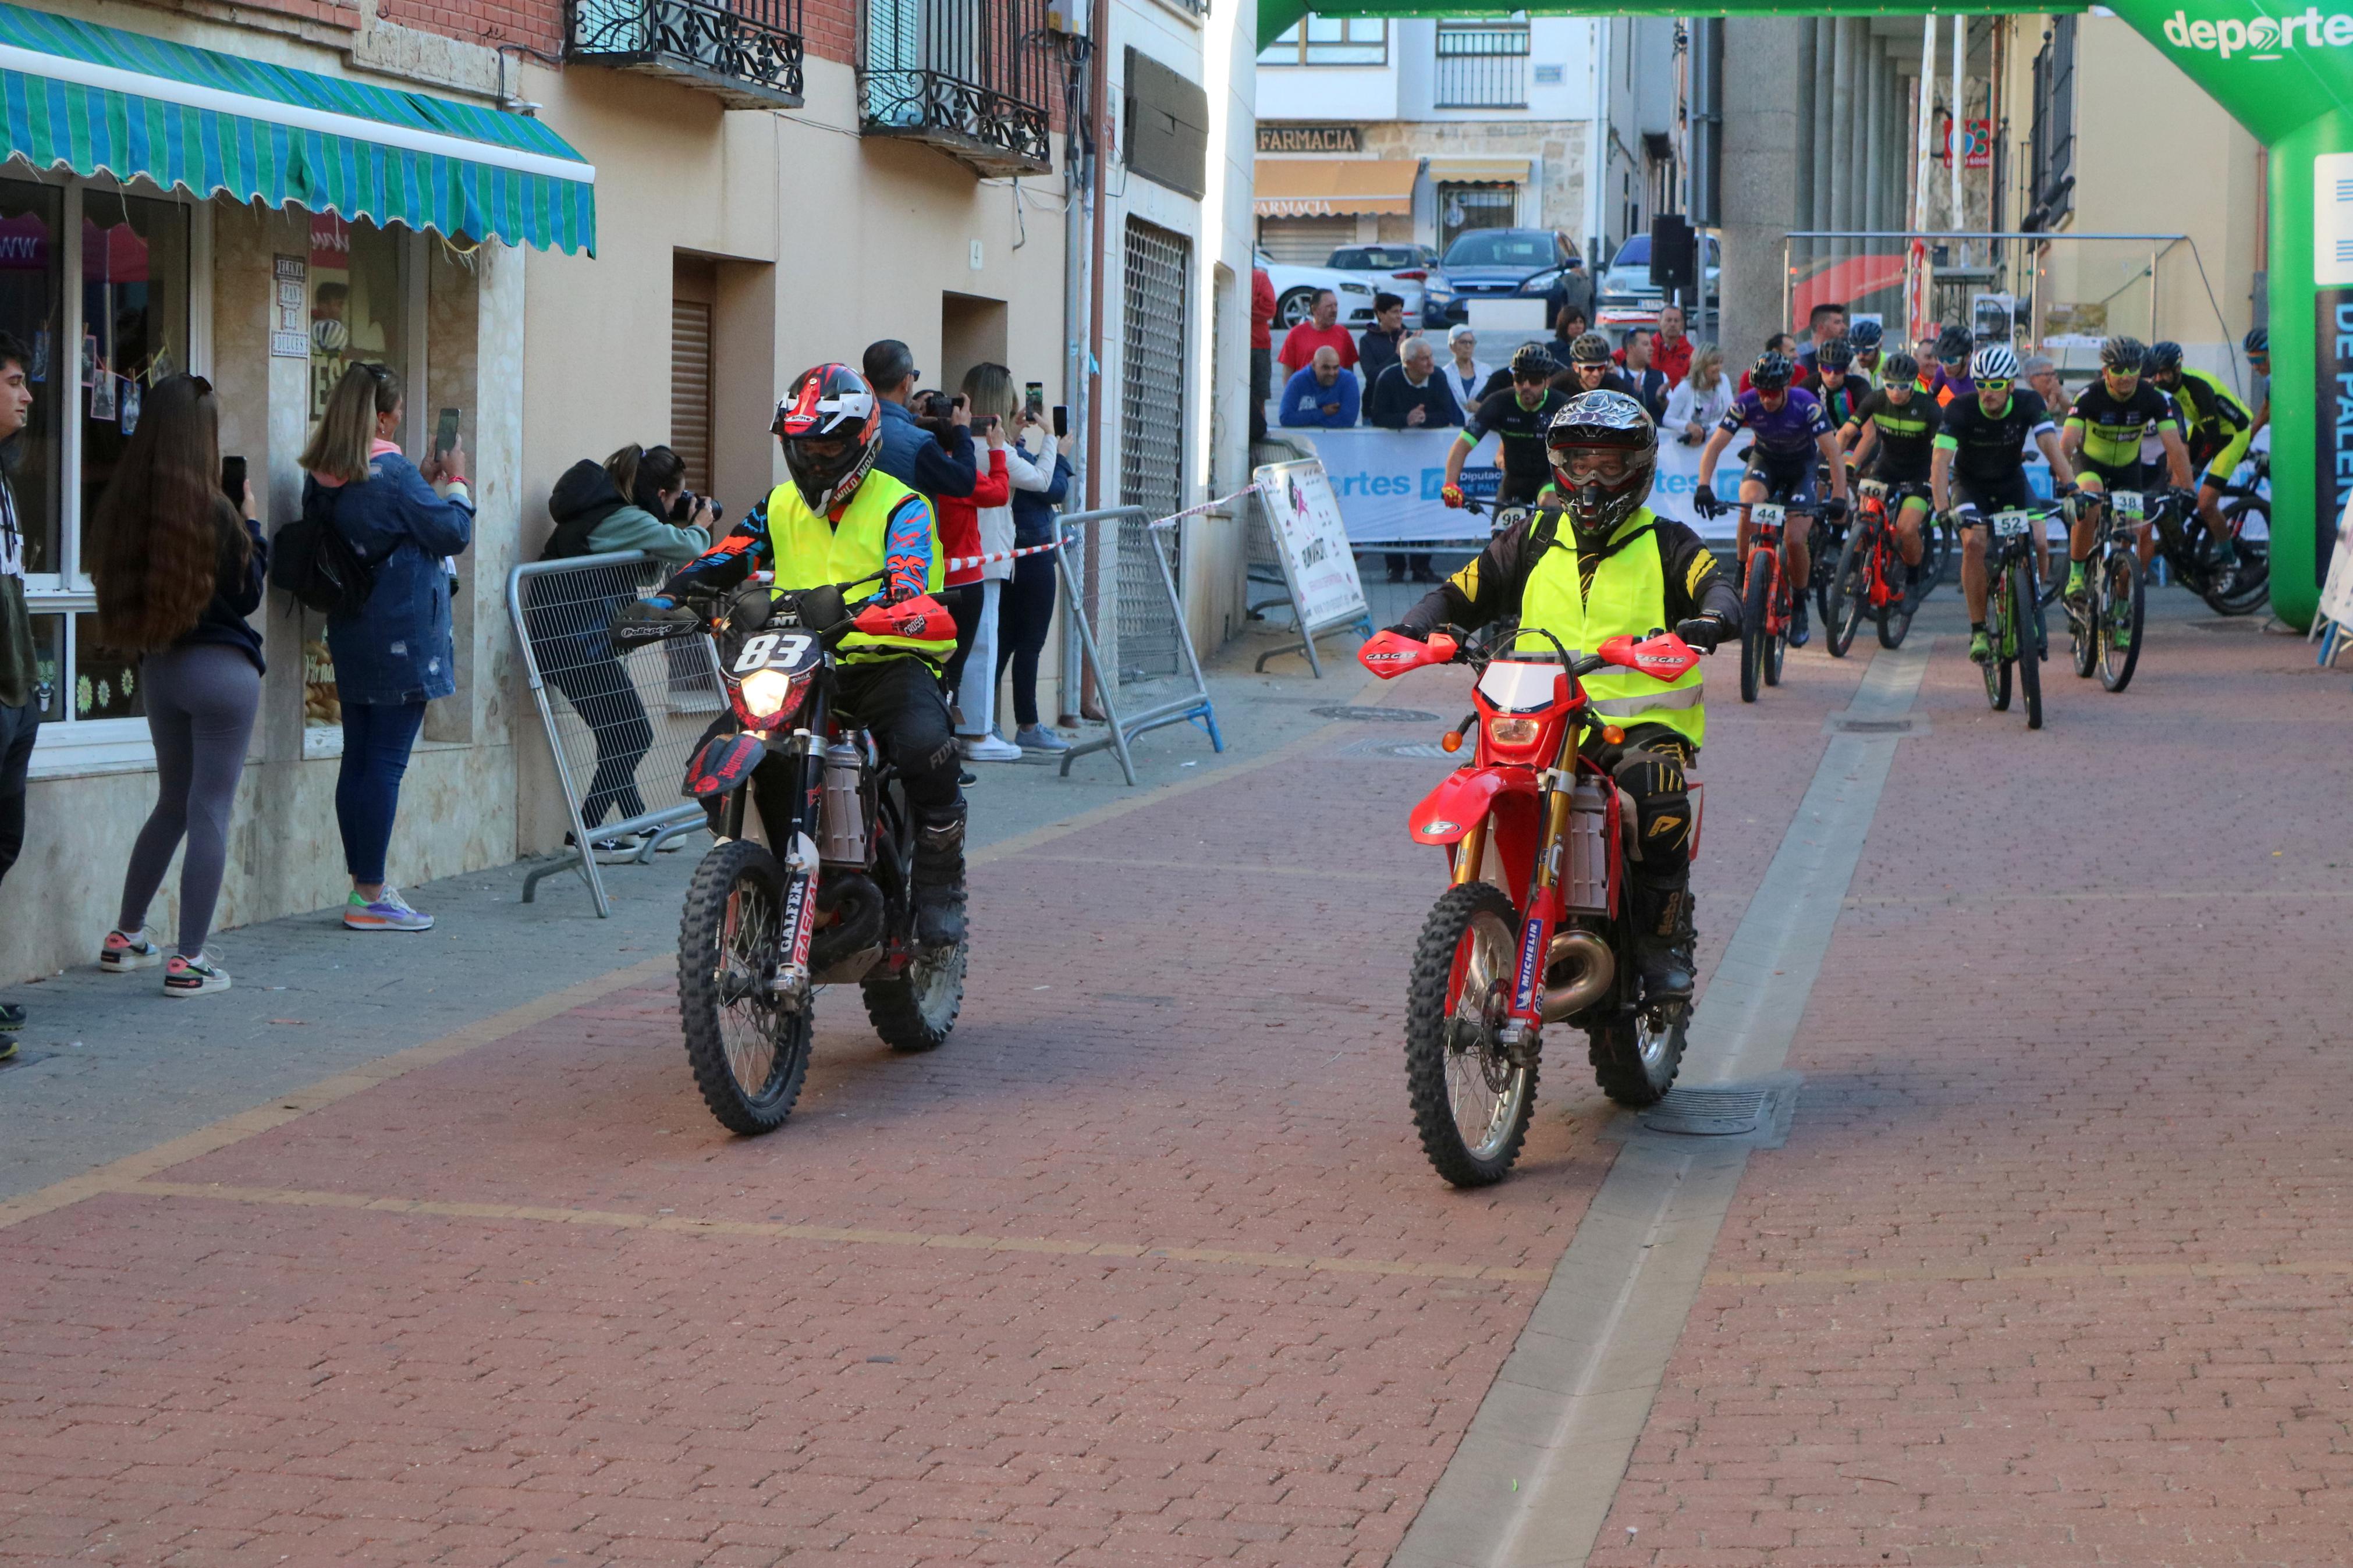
[1767, 515]
[2128, 504]
[2008, 523]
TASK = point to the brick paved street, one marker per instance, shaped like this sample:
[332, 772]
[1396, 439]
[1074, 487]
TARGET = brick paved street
[1146, 1267]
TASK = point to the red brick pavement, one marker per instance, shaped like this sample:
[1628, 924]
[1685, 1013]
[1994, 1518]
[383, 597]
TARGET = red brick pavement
[1176, 1053]
[2054, 1269]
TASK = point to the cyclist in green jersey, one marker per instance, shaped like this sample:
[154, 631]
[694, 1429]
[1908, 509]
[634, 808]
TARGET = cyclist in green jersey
[1891, 437]
[2217, 429]
[2102, 439]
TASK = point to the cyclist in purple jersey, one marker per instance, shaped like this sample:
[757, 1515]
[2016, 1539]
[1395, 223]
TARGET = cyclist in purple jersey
[1790, 434]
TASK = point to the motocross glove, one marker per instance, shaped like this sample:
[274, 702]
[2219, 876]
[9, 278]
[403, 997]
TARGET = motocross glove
[1452, 495]
[1704, 502]
[1703, 632]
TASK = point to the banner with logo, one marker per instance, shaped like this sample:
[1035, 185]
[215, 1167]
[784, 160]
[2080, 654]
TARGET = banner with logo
[1387, 484]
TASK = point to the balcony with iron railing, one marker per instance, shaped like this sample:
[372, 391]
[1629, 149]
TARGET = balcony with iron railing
[746, 52]
[1481, 67]
[969, 77]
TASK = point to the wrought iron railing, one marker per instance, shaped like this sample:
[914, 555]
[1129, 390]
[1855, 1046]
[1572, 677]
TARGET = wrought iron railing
[1483, 68]
[746, 51]
[972, 77]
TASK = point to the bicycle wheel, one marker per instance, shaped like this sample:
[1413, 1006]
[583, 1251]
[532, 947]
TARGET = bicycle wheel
[1937, 543]
[2242, 589]
[1829, 555]
[2083, 626]
[2032, 643]
[1998, 632]
[1753, 635]
[1850, 594]
[2122, 606]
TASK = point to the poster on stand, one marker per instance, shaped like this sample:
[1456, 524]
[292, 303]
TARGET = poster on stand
[1305, 518]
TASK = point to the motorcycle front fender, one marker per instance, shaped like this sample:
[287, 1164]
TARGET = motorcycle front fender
[722, 764]
[1466, 796]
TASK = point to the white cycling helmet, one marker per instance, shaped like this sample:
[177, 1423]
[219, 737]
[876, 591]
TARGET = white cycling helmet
[1994, 363]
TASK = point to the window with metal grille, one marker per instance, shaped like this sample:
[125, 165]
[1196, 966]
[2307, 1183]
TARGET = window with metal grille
[2051, 143]
[690, 390]
[1152, 443]
[1482, 65]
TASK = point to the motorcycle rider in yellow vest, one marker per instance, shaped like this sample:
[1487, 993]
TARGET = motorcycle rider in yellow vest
[1621, 570]
[834, 521]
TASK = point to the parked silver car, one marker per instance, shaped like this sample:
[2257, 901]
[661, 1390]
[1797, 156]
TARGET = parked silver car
[1408, 272]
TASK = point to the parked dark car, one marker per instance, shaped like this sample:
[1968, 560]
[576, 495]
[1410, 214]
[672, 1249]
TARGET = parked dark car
[1408, 272]
[1629, 299]
[1516, 263]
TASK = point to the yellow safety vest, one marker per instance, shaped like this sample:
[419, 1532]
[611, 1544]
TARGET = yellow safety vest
[1629, 597]
[811, 553]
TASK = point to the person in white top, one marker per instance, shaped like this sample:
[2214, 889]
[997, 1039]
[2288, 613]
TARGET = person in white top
[990, 390]
[1700, 399]
[1464, 374]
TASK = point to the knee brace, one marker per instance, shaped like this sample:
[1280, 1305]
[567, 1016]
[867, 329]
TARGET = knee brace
[1662, 819]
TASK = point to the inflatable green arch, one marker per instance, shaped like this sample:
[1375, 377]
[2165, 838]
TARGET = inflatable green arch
[2287, 76]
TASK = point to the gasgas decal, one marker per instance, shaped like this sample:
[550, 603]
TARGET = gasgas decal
[1439, 825]
[2260, 38]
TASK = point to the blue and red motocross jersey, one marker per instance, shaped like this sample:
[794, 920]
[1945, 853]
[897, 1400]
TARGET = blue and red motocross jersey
[1785, 431]
[907, 543]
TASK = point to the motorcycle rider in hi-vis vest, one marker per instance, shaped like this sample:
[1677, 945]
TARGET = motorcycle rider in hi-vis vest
[1621, 571]
[834, 521]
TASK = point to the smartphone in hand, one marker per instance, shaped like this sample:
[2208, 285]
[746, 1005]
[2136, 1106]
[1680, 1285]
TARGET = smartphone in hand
[1061, 421]
[445, 434]
[233, 479]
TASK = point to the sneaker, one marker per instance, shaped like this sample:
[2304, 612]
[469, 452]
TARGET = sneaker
[613, 848]
[988, 749]
[194, 976]
[12, 1017]
[1038, 738]
[389, 912]
[1980, 647]
[2079, 587]
[125, 951]
[1799, 635]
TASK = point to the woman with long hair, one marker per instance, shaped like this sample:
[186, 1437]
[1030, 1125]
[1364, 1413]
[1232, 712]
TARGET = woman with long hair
[177, 569]
[989, 389]
[397, 653]
[1700, 399]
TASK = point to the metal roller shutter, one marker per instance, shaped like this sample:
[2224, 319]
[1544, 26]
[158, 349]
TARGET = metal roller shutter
[1151, 441]
[1305, 241]
[690, 390]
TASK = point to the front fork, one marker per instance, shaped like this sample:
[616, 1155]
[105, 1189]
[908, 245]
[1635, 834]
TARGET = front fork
[1521, 1034]
[797, 849]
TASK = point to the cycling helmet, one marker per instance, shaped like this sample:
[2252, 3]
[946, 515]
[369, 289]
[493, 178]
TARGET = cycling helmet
[1994, 363]
[1899, 369]
[1865, 336]
[1953, 345]
[1773, 371]
[2162, 359]
[830, 424]
[1590, 347]
[1836, 355]
[2258, 341]
[1603, 422]
[2126, 356]
[1530, 363]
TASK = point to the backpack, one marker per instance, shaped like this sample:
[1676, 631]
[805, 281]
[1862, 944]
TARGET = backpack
[310, 559]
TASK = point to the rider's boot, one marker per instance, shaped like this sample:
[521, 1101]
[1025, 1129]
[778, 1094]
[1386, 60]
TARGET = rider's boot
[938, 877]
[1664, 937]
[1981, 644]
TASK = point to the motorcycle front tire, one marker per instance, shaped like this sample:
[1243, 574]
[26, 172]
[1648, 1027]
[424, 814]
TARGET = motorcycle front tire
[1462, 916]
[749, 1056]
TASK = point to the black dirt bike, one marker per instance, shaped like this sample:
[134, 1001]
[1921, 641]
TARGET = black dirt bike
[778, 908]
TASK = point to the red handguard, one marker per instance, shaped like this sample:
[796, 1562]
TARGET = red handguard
[1388, 655]
[1662, 658]
[921, 619]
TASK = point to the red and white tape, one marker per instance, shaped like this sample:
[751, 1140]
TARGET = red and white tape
[1176, 517]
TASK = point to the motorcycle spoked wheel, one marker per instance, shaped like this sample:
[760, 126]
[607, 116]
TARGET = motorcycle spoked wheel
[915, 1009]
[1637, 1055]
[2123, 606]
[1471, 1104]
[748, 1054]
[1849, 597]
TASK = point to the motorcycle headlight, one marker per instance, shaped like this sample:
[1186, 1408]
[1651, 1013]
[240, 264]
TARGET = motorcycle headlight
[766, 692]
[1513, 732]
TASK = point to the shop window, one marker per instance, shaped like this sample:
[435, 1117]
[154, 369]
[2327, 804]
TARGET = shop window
[359, 315]
[134, 327]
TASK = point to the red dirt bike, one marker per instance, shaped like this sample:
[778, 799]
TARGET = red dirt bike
[1535, 929]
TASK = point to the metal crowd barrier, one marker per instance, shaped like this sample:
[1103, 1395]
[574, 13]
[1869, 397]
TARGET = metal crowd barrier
[626, 724]
[1147, 613]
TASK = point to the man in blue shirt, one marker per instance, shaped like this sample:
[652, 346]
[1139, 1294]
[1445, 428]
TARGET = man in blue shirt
[932, 466]
[1320, 397]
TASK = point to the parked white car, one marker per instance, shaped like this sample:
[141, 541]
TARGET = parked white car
[1295, 287]
[1408, 272]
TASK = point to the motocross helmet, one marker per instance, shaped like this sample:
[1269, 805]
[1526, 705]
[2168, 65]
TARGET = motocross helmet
[830, 425]
[1836, 355]
[2126, 356]
[1604, 452]
[1590, 347]
[1773, 371]
[2164, 359]
[1953, 346]
[1865, 336]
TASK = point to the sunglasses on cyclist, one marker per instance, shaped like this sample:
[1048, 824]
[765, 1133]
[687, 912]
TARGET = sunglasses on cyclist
[1994, 382]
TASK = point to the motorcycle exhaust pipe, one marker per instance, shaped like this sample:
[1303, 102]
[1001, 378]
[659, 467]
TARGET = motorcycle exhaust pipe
[1596, 966]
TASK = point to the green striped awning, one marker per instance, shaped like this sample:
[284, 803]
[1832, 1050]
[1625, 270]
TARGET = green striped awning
[93, 99]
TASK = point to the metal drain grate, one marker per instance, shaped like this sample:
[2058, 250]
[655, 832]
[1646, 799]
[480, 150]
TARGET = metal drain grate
[1840, 724]
[1376, 715]
[1707, 1112]
[1409, 751]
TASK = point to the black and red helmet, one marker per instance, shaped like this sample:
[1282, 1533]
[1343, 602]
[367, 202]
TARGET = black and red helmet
[1605, 453]
[830, 423]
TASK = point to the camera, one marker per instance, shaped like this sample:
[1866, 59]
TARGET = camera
[688, 503]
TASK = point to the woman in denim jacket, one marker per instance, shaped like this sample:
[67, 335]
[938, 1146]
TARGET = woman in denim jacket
[397, 654]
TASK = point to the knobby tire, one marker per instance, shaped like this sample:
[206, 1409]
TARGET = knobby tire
[727, 947]
[1430, 1009]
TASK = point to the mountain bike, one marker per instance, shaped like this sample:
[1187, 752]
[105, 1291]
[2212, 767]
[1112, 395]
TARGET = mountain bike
[1870, 577]
[2014, 609]
[1765, 599]
[2104, 629]
[2237, 587]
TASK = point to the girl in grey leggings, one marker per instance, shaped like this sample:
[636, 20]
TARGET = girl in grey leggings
[200, 702]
